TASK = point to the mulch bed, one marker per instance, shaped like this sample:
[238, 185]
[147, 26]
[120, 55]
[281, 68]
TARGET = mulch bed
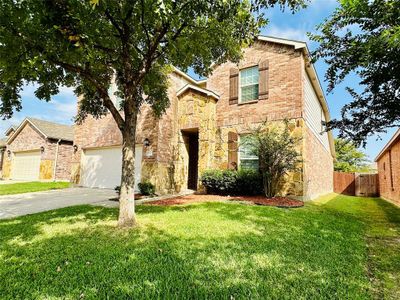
[257, 200]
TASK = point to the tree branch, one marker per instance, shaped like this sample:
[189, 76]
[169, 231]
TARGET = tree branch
[113, 22]
[102, 91]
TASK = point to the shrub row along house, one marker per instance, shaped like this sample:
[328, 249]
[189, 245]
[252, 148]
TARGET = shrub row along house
[207, 119]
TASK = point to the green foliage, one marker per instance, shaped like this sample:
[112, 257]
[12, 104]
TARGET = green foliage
[277, 154]
[91, 44]
[249, 182]
[147, 188]
[83, 44]
[29, 187]
[232, 182]
[349, 158]
[316, 252]
[220, 182]
[363, 37]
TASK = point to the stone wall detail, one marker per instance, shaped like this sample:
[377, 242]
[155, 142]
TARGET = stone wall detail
[165, 160]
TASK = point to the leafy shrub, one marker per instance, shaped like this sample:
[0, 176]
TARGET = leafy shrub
[147, 188]
[221, 182]
[277, 152]
[249, 182]
[231, 182]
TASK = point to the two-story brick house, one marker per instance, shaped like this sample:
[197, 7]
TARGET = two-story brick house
[206, 120]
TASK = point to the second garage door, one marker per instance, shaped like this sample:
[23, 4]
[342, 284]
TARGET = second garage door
[102, 167]
[26, 166]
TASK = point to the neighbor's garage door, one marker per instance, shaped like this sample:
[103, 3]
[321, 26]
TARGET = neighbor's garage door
[26, 165]
[102, 167]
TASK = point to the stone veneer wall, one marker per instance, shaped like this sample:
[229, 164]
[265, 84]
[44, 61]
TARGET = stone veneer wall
[30, 139]
[167, 166]
[156, 164]
[318, 167]
[386, 189]
[292, 185]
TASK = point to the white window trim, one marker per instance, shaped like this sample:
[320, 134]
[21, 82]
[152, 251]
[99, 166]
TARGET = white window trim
[239, 152]
[240, 85]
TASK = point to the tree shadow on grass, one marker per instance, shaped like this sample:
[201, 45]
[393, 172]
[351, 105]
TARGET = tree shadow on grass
[237, 251]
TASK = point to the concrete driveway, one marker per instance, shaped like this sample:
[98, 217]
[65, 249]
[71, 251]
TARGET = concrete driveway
[30, 203]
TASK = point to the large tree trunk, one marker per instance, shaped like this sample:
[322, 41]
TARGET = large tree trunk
[127, 194]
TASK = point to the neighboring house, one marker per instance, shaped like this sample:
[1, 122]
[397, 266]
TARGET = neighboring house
[206, 120]
[389, 169]
[38, 150]
[3, 146]
[2, 150]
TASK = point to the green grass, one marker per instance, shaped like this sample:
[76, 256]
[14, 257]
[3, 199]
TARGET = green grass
[339, 247]
[28, 187]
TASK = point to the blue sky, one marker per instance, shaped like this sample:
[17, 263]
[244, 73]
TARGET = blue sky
[282, 24]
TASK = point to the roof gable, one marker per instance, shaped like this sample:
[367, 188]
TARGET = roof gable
[47, 129]
[394, 139]
[198, 89]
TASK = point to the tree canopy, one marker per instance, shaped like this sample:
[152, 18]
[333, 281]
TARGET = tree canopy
[363, 37]
[89, 44]
[349, 158]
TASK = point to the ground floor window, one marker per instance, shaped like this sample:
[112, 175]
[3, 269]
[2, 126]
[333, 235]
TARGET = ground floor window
[247, 160]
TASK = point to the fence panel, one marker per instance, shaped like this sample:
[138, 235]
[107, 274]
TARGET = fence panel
[367, 185]
[344, 183]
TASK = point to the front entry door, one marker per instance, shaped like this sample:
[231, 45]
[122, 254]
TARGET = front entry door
[193, 139]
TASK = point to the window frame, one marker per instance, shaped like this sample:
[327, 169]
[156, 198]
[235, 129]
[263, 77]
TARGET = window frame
[240, 101]
[255, 158]
[114, 98]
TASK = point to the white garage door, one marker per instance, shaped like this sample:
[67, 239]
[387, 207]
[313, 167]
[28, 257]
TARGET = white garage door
[26, 165]
[102, 167]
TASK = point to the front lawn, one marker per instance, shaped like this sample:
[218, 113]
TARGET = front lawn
[338, 247]
[28, 187]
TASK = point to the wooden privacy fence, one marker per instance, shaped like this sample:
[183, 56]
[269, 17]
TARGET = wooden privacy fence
[356, 184]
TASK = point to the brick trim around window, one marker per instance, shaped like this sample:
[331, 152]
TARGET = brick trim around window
[263, 69]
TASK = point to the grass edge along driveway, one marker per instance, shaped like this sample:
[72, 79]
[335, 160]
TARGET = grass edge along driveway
[28, 187]
[336, 247]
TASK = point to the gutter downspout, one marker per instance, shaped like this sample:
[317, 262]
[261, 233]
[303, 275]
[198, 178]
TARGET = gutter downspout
[55, 161]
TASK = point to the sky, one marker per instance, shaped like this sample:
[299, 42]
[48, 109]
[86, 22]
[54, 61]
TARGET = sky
[62, 108]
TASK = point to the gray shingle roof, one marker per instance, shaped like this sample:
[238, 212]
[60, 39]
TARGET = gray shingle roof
[54, 130]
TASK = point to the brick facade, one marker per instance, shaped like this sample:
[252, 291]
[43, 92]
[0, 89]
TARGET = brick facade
[30, 139]
[318, 180]
[285, 98]
[195, 111]
[389, 172]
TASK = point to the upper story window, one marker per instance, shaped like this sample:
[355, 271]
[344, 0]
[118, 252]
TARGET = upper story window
[247, 160]
[249, 79]
[115, 99]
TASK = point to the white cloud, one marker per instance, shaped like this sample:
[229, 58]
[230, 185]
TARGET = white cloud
[5, 124]
[61, 109]
[287, 33]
